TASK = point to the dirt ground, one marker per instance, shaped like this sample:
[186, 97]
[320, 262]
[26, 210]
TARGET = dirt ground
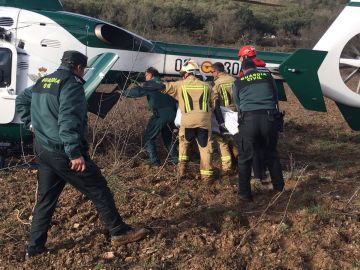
[313, 225]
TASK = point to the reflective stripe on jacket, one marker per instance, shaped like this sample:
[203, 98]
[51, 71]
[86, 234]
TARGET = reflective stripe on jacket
[195, 101]
[223, 90]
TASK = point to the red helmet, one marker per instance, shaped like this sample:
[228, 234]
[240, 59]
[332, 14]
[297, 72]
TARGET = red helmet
[247, 50]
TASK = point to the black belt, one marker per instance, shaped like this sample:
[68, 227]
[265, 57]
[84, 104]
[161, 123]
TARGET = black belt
[270, 111]
[56, 146]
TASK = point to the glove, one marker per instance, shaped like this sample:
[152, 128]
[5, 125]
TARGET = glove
[223, 129]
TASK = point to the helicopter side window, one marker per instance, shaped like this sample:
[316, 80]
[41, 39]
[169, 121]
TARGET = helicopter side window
[121, 39]
[5, 67]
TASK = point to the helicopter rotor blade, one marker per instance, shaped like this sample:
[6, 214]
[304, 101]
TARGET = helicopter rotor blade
[350, 62]
[255, 2]
[351, 75]
[354, 49]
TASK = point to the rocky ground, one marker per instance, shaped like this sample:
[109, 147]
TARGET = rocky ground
[313, 225]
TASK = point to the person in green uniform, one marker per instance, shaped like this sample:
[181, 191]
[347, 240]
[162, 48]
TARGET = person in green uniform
[161, 122]
[56, 110]
[255, 97]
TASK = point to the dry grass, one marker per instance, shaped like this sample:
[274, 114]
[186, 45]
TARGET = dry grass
[313, 226]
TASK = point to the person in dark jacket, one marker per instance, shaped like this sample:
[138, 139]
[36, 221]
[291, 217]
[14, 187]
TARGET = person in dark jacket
[56, 109]
[164, 109]
[249, 52]
[255, 97]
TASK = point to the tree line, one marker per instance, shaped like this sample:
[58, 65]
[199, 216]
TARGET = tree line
[211, 22]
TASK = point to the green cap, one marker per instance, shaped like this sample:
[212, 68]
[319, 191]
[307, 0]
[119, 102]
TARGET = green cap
[74, 57]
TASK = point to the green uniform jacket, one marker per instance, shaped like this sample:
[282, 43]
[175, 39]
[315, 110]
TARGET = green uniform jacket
[160, 104]
[57, 110]
[255, 91]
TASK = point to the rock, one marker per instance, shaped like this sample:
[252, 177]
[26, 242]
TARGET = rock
[76, 226]
[79, 239]
[109, 255]
[88, 259]
[129, 259]
[184, 225]
[68, 261]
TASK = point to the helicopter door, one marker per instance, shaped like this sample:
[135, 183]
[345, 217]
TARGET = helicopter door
[8, 60]
[99, 103]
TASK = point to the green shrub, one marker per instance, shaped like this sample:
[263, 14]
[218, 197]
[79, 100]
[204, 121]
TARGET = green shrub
[217, 22]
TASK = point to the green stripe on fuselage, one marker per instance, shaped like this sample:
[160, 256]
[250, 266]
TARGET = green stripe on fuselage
[353, 4]
[83, 29]
[33, 4]
[215, 52]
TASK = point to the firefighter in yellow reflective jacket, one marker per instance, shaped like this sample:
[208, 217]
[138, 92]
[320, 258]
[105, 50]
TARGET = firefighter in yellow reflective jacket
[222, 93]
[195, 103]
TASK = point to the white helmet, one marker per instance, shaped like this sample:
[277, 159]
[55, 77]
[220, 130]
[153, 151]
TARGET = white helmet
[190, 66]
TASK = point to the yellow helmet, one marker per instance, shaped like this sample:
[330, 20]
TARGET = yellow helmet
[189, 66]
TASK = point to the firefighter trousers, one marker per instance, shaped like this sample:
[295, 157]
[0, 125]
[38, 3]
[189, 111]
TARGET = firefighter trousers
[228, 150]
[203, 139]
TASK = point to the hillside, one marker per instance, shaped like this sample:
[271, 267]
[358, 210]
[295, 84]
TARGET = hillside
[211, 22]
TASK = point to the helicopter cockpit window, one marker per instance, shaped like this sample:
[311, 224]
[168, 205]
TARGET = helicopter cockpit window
[5, 67]
[121, 39]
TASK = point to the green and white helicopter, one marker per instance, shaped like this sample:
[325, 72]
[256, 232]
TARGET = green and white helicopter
[34, 34]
